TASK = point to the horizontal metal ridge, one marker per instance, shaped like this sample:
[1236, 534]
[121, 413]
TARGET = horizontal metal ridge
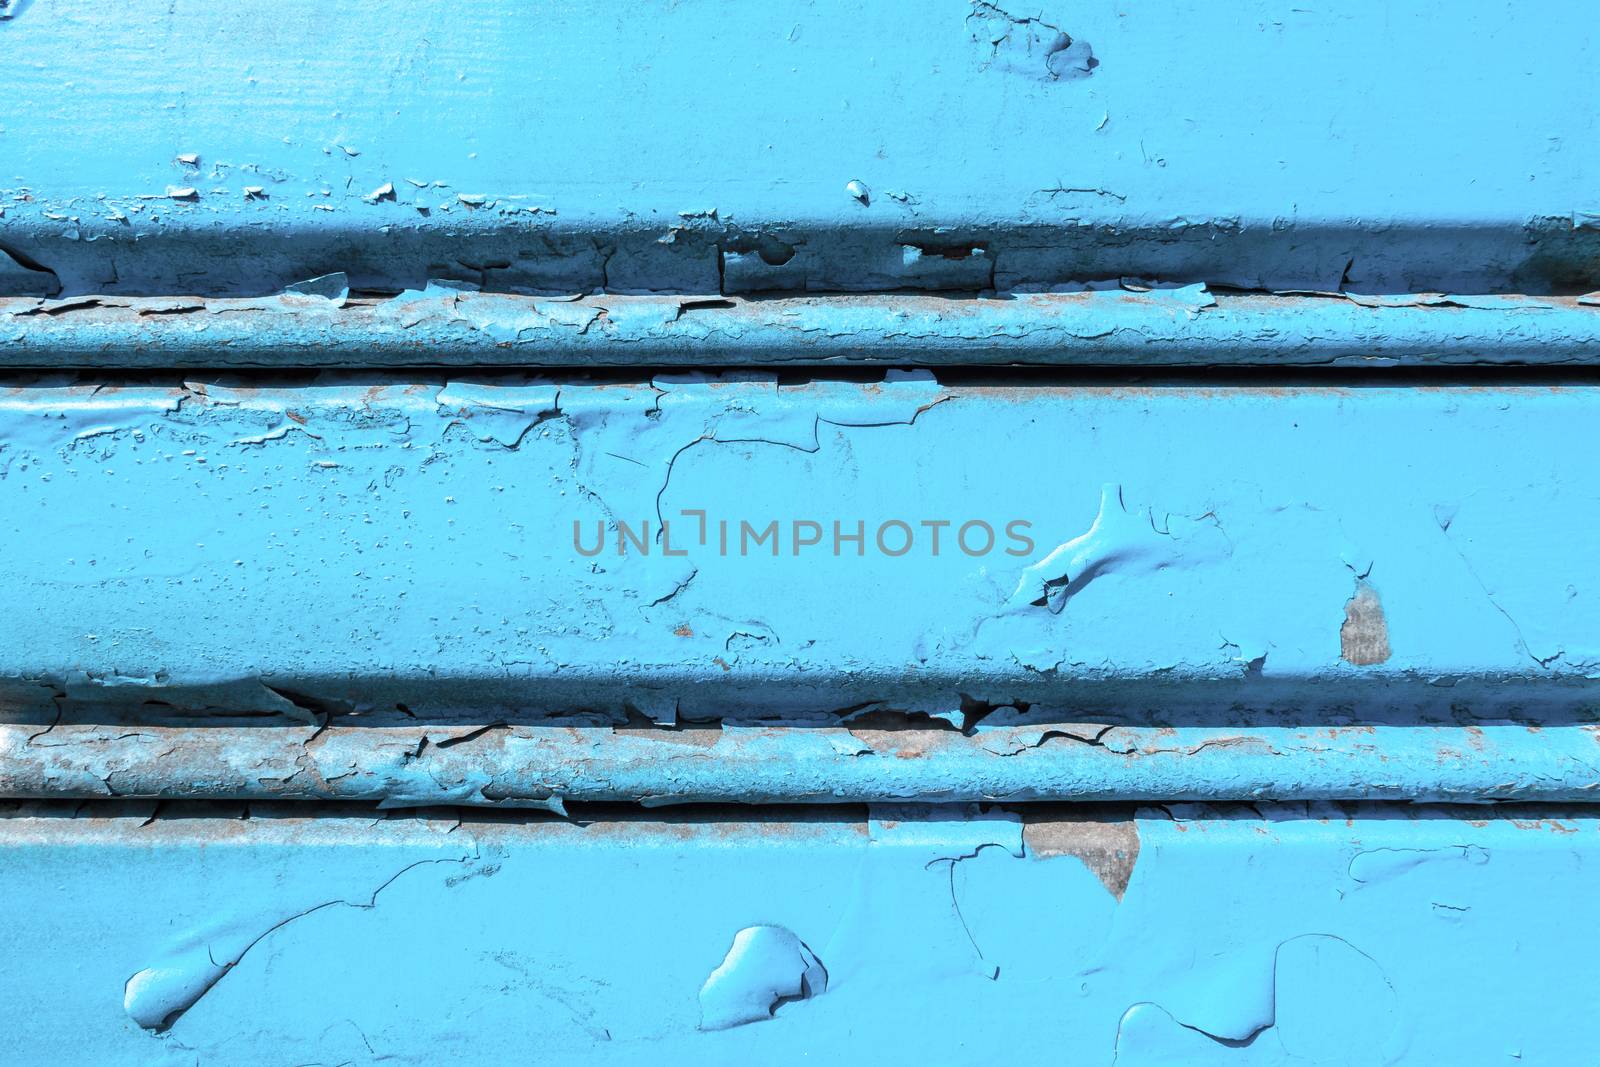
[323, 325]
[543, 766]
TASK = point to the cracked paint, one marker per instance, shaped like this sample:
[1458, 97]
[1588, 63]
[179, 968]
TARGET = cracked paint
[157, 995]
[1112, 145]
[454, 323]
[765, 967]
[1028, 45]
[1120, 541]
[399, 763]
[455, 521]
[1268, 935]
[275, 643]
[437, 639]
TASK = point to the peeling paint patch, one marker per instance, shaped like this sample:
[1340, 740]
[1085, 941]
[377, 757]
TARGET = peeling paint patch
[766, 966]
[1236, 1002]
[495, 413]
[157, 995]
[334, 288]
[1241, 940]
[1109, 848]
[1120, 541]
[1364, 637]
[1028, 45]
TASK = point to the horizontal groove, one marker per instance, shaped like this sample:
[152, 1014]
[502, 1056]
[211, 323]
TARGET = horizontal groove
[175, 816]
[440, 326]
[241, 244]
[1235, 378]
[547, 767]
[149, 810]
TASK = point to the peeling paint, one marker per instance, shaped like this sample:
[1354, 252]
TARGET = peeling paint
[1364, 637]
[1108, 848]
[451, 323]
[1242, 936]
[1479, 183]
[320, 662]
[1120, 541]
[157, 995]
[765, 966]
[549, 764]
[1028, 45]
[441, 513]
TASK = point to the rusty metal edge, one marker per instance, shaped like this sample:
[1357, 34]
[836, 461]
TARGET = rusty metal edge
[325, 326]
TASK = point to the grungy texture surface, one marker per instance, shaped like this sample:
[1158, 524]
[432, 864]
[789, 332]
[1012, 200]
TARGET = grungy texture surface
[1192, 935]
[455, 324]
[494, 548]
[879, 754]
[282, 652]
[798, 146]
[1364, 637]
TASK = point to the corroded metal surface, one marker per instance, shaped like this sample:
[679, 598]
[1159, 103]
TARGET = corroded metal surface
[548, 766]
[453, 324]
[295, 580]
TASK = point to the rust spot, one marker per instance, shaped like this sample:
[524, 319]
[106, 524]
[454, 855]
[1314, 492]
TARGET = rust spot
[719, 661]
[296, 416]
[684, 630]
[1364, 637]
[906, 744]
[693, 738]
[1109, 848]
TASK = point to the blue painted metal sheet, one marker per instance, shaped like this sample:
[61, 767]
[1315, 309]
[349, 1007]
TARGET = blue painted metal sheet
[1195, 936]
[272, 574]
[496, 546]
[699, 147]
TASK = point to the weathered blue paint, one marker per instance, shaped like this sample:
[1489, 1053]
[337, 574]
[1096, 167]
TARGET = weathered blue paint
[722, 146]
[1195, 936]
[369, 585]
[1194, 552]
[449, 324]
[398, 763]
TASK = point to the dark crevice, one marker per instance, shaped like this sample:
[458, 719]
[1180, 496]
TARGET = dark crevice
[473, 735]
[28, 263]
[1196, 376]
